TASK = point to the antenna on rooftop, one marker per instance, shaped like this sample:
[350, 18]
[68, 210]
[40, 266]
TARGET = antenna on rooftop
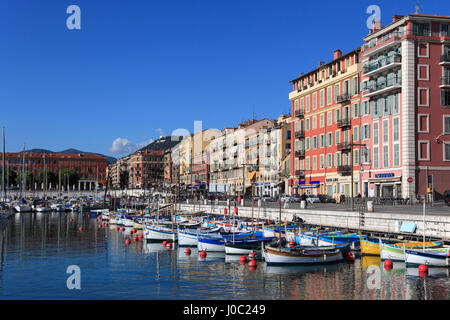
[417, 7]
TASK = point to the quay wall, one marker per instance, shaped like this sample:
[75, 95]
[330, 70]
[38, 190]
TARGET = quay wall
[436, 226]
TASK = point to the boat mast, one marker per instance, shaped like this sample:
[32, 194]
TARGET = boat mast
[23, 172]
[4, 167]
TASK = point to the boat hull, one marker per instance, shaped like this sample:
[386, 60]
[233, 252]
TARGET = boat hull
[159, 234]
[274, 256]
[211, 245]
[187, 239]
[437, 258]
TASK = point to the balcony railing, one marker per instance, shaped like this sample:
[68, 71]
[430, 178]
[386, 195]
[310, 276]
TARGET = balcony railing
[300, 154]
[299, 134]
[383, 87]
[343, 98]
[300, 173]
[299, 113]
[445, 57]
[344, 170]
[382, 63]
[344, 147]
[445, 81]
[344, 123]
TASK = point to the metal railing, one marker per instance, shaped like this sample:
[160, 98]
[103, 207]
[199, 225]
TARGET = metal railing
[299, 134]
[379, 63]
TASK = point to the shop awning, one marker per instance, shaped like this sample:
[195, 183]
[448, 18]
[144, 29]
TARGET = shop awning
[382, 180]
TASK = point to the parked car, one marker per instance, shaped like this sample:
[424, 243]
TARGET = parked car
[447, 197]
[294, 198]
[312, 199]
[326, 198]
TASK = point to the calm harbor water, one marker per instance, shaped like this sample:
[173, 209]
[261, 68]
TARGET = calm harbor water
[37, 248]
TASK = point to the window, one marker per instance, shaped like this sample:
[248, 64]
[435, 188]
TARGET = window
[314, 164]
[307, 124]
[422, 50]
[314, 100]
[446, 125]
[395, 103]
[423, 123]
[336, 92]
[322, 161]
[355, 134]
[375, 133]
[423, 72]
[446, 147]
[314, 142]
[314, 122]
[375, 157]
[355, 111]
[421, 29]
[365, 155]
[338, 135]
[356, 157]
[396, 154]
[365, 108]
[445, 98]
[322, 97]
[423, 97]
[330, 139]
[385, 131]
[337, 159]
[396, 129]
[329, 160]
[424, 150]
[385, 156]
[329, 95]
[307, 163]
[321, 120]
[329, 118]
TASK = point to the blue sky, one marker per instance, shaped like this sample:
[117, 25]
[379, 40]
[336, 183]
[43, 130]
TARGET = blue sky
[141, 68]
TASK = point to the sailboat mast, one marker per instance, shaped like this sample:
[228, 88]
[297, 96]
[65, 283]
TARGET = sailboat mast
[4, 167]
[23, 171]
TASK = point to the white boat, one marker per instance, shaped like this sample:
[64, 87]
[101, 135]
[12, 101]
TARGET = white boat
[301, 255]
[430, 257]
[22, 207]
[57, 207]
[211, 243]
[128, 222]
[187, 238]
[159, 233]
[43, 207]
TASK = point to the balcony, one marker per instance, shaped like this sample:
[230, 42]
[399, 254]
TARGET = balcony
[345, 123]
[299, 134]
[299, 114]
[381, 65]
[343, 98]
[384, 88]
[344, 147]
[300, 154]
[445, 59]
[445, 82]
[300, 174]
[344, 170]
[389, 41]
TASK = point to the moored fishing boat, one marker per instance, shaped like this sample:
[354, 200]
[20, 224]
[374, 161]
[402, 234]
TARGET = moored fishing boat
[438, 257]
[189, 237]
[216, 242]
[244, 246]
[159, 233]
[301, 255]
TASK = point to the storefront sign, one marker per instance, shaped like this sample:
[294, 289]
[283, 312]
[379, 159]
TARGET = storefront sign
[301, 182]
[314, 182]
[384, 175]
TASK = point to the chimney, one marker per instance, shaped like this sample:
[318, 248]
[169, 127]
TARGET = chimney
[337, 54]
[395, 18]
[376, 25]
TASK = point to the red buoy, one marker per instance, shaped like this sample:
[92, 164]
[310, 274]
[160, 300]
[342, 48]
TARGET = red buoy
[141, 236]
[251, 255]
[202, 254]
[252, 263]
[134, 231]
[117, 228]
[135, 239]
[127, 241]
[99, 226]
[252, 268]
[71, 220]
[164, 243]
[387, 263]
[423, 268]
[80, 228]
[292, 243]
[169, 245]
[243, 259]
[187, 251]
